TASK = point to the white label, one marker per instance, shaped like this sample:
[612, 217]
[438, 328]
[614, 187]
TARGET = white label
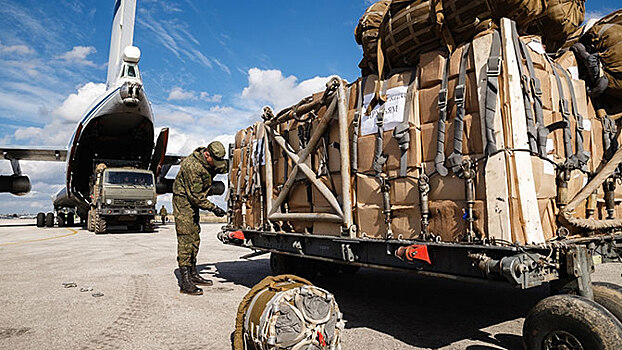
[393, 111]
[550, 146]
[587, 125]
[584, 181]
[548, 168]
[574, 72]
[537, 47]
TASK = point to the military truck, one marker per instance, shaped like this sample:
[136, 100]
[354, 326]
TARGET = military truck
[122, 196]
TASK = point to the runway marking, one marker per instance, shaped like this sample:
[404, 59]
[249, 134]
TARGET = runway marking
[73, 232]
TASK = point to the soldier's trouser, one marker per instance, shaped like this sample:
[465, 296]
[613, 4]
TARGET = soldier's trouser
[188, 229]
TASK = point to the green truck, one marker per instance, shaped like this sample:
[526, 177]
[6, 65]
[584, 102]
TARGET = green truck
[122, 196]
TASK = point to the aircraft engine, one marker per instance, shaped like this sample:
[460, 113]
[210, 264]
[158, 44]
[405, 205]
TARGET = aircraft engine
[16, 184]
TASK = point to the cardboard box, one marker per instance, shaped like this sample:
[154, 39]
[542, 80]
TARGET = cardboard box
[471, 138]
[428, 99]
[367, 149]
[446, 219]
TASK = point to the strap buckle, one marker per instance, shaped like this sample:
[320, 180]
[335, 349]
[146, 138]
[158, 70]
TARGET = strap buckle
[493, 68]
[442, 99]
[579, 119]
[563, 105]
[459, 97]
[535, 87]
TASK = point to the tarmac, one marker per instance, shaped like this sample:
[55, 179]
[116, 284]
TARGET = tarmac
[126, 296]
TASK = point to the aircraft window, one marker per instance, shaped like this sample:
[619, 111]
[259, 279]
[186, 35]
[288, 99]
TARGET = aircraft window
[126, 178]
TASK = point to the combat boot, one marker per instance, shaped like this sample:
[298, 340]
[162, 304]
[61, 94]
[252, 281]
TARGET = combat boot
[186, 286]
[197, 279]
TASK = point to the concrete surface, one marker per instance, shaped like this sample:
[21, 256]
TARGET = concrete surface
[142, 308]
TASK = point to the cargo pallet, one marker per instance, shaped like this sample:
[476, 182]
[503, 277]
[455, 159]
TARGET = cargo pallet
[564, 262]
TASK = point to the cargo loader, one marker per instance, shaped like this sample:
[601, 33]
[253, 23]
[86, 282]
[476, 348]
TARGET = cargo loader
[351, 178]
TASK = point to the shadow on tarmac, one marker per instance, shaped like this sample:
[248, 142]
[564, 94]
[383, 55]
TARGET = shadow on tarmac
[422, 312]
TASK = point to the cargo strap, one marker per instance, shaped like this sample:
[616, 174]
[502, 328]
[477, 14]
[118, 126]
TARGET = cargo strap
[355, 125]
[536, 94]
[380, 158]
[439, 159]
[442, 29]
[239, 175]
[524, 82]
[455, 158]
[285, 157]
[563, 107]
[610, 130]
[250, 153]
[581, 156]
[493, 69]
[401, 133]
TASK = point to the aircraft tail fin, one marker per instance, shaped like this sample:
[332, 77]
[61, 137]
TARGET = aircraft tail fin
[121, 37]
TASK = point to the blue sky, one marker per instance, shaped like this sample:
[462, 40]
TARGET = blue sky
[208, 67]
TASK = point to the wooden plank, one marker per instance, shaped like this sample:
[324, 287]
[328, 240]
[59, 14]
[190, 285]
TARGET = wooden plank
[521, 161]
[495, 174]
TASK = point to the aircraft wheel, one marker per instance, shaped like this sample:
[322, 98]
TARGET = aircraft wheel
[609, 295]
[62, 222]
[573, 323]
[70, 220]
[99, 224]
[40, 219]
[49, 220]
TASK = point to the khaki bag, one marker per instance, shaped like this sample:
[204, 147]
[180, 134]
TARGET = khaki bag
[412, 27]
[366, 35]
[605, 39]
[561, 20]
[466, 18]
[408, 29]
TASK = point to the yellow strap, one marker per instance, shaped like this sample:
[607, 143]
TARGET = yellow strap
[441, 29]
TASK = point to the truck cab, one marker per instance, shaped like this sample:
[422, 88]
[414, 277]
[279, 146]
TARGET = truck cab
[122, 196]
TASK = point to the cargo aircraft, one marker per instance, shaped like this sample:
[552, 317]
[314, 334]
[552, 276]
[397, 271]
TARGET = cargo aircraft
[117, 128]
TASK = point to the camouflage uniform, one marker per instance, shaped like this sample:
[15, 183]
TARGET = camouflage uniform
[163, 214]
[190, 191]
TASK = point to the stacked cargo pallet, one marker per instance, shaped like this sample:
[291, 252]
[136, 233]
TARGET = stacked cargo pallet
[486, 138]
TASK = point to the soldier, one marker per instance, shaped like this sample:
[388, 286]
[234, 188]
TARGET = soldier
[163, 214]
[190, 191]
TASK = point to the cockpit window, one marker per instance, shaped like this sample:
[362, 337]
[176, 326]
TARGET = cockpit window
[130, 70]
[127, 178]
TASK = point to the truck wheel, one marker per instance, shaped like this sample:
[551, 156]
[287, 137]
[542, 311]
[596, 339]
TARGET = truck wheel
[40, 220]
[571, 322]
[100, 224]
[149, 225]
[89, 221]
[281, 264]
[49, 220]
[609, 295]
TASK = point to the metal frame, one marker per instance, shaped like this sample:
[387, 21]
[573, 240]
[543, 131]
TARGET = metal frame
[566, 264]
[336, 98]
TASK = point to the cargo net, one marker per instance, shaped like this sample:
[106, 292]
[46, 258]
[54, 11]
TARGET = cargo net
[287, 312]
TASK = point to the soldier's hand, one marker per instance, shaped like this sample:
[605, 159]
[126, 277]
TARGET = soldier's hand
[219, 212]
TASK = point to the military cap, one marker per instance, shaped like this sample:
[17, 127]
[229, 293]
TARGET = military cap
[218, 153]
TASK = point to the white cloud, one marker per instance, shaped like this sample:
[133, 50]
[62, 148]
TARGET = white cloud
[270, 86]
[589, 15]
[78, 55]
[213, 98]
[16, 49]
[179, 94]
[75, 105]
